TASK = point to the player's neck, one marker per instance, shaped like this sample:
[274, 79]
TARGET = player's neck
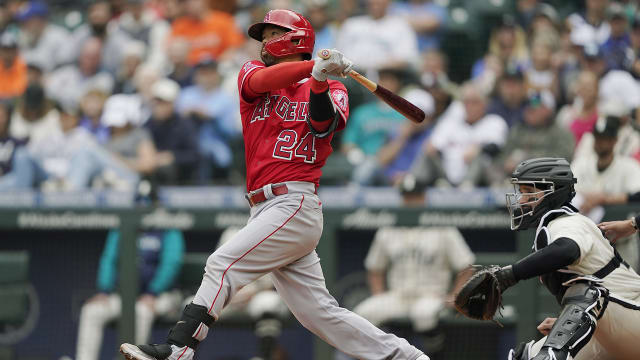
[289, 58]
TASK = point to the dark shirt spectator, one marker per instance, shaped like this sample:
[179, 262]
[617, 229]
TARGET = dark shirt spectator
[616, 50]
[510, 100]
[174, 137]
[8, 144]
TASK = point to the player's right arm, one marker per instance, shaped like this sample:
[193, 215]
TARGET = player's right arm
[255, 79]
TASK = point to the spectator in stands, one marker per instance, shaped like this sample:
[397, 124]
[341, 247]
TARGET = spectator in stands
[212, 109]
[99, 14]
[41, 40]
[5, 17]
[144, 78]
[179, 69]
[614, 84]
[77, 79]
[129, 142]
[628, 138]
[511, 97]
[397, 156]
[507, 49]
[616, 50]
[143, 24]
[544, 24]
[13, 70]
[635, 46]
[10, 147]
[541, 76]
[426, 17]
[160, 259]
[91, 106]
[320, 18]
[370, 128]
[209, 33]
[133, 55]
[591, 24]
[378, 39]
[34, 115]
[410, 272]
[537, 136]
[608, 179]
[580, 116]
[173, 136]
[461, 135]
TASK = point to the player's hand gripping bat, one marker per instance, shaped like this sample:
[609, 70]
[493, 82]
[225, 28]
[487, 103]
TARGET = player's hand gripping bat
[397, 102]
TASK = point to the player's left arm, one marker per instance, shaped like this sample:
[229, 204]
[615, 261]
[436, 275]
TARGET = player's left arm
[328, 107]
[560, 253]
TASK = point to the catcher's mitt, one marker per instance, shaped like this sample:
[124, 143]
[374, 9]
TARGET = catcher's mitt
[480, 297]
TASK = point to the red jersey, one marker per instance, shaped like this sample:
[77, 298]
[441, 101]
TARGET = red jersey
[277, 141]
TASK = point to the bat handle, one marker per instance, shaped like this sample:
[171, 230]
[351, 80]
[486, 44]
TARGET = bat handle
[370, 85]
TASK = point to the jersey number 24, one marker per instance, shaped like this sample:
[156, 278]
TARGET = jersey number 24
[288, 146]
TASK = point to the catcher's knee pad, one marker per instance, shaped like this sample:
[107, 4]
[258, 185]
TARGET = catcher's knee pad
[521, 352]
[182, 334]
[575, 325]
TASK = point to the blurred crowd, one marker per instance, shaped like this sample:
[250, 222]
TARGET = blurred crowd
[106, 93]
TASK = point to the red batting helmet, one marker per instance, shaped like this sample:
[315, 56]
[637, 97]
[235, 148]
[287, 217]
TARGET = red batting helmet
[299, 40]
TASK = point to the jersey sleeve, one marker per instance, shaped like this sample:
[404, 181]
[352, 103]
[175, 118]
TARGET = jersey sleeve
[340, 100]
[459, 254]
[248, 69]
[377, 259]
[571, 227]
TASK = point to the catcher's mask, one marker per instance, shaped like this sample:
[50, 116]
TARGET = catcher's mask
[552, 182]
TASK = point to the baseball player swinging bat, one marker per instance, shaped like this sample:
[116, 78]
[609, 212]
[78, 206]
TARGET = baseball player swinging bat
[397, 102]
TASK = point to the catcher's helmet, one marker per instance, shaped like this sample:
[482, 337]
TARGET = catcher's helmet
[299, 40]
[551, 177]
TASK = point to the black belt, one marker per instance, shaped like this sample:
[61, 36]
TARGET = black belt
[612, 265]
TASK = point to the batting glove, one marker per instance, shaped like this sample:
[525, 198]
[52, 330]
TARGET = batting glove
[331, 63]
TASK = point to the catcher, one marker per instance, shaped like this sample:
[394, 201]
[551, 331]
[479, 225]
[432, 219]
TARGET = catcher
[598, 292]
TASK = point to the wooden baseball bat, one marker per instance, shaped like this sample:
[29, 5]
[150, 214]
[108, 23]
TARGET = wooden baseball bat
[398, 103]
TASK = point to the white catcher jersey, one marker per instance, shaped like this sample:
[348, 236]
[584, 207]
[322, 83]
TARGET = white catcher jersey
[418, 259]
[595, 253]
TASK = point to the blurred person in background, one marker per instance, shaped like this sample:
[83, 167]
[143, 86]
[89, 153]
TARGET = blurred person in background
[11, 149]
[66, 159]
[213, 111]
[144, 78]
[370, 127]
[635, 46]
[592, 22]
[143, 24]
[614, 84]
[628, 143]
[5, 17]
[537, 136]
[426, 17]
[159, 260]
[91, 106]
[13, 70]
[99, 14]
[544, 23]
[617, 50]
[511, 97]
[178, 68]
[507, 49]
[378, 39]
[174, 137]
[34, 115]
[320, 17]
[608, 179]
[580, 116]
[133, 55]
[397, 155]
[209, 33]
[68, 84]
[129, 142]
[410, 272]
[40, 39]
[464, 133]
[541, 76]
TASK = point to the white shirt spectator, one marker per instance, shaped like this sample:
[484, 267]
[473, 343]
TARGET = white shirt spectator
[583, 33]
[628, 144]
[55, 150]
[371, 43]
[50, 50]
[621, 86]
[453, 136]
[20, 128]
[75, 84]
